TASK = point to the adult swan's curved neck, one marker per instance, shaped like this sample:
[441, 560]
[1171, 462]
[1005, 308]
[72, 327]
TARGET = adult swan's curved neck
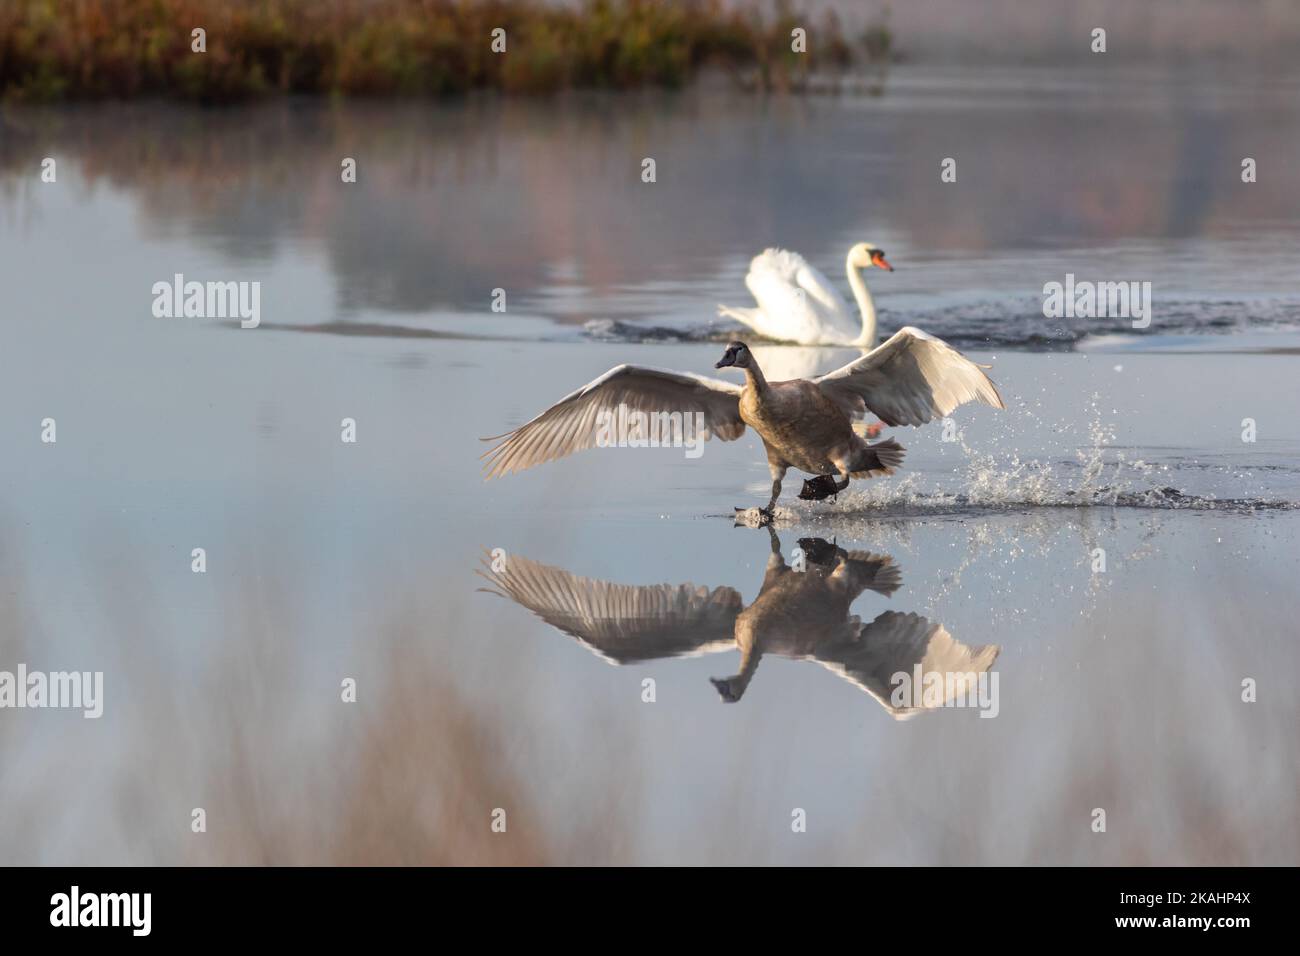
[866, 305]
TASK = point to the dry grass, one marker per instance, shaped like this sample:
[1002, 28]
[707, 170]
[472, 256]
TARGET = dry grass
[61, 49]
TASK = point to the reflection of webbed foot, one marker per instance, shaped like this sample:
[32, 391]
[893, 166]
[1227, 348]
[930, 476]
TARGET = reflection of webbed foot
[819, 551]
[746, 517]
[819, 488]
[727, 689]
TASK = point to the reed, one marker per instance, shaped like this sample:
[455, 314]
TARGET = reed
[92, 49]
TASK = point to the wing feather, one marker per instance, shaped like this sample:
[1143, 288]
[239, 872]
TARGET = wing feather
[570, 424]
[795, 300]
[910, 379]
[818, 288]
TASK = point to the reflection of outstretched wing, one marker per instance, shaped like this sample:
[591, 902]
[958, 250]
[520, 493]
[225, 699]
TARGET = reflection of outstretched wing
[896, 643]
[621, 623]
[873, 572]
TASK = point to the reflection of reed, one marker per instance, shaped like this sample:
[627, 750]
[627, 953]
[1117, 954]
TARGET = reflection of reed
[1144, 720]
[19, 805]
[415, 783]
[410, 774]
[289, 774]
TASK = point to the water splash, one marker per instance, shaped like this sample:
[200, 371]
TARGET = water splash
[1015, 322]
[1098, 475]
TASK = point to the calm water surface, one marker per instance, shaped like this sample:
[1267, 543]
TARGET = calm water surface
[1119, 688]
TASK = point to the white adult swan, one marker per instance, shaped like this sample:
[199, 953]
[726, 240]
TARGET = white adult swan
[796, 303]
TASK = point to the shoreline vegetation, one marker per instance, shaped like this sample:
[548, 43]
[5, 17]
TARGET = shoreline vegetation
[59, 50]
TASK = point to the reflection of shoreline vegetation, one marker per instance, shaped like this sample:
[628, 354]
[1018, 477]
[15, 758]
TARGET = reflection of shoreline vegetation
[59, 49]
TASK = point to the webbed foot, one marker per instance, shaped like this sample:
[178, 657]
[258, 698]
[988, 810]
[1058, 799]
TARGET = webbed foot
[819, 488]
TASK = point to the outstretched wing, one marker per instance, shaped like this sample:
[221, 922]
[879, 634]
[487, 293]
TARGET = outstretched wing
[911, 379]
[896, 643]
[572, 423]
[621, 623]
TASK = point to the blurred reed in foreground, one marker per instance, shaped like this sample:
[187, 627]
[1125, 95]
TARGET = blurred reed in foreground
[1155, 732]
[57, 49]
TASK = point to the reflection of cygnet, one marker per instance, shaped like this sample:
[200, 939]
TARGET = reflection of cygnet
[801, 612]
